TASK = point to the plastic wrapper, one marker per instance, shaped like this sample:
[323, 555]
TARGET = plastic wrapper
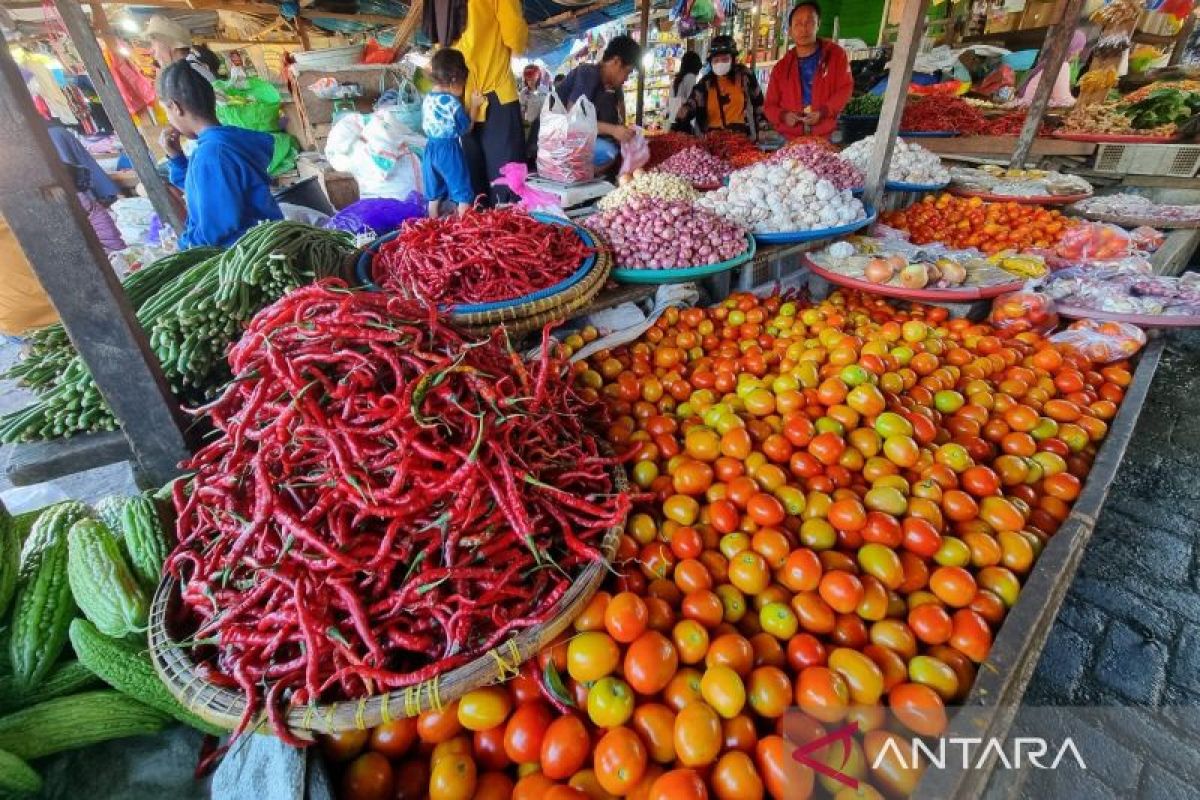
[1101, 342]
[1094, 241]
[1147, 239]
[1021, 311]
[530, 198]
[635, 153]
[377, 215]
[566, 140]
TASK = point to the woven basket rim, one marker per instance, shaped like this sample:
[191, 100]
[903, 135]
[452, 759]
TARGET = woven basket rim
[545, 305]
[224, 707]
[523, 325]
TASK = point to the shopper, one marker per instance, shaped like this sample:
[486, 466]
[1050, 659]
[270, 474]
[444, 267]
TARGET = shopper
[24, 304]
[444, 119]
[681, 91]
[171, 42]
[488, 33]
[811, 84]
[94, 189]
[602, 85]
[728, 97]
[225, 181]
[533, 93]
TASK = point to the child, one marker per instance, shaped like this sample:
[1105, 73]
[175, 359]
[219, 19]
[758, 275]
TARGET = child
[444, 166]
[225, 181]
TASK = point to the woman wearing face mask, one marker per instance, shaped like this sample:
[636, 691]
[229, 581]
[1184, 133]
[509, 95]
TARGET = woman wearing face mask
[728, 97]
[811, 84]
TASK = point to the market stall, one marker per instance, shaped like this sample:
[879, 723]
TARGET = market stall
[650, 553]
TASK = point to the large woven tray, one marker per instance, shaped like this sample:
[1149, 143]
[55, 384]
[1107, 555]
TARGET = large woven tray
[576, 303]
[224, 707]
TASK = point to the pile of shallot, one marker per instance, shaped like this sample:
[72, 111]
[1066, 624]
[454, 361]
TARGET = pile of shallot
[698, 166]
[652, 233]
[825, 163]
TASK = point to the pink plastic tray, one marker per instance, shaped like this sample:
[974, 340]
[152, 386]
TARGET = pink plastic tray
[1039, 199]
[1114, 138]
[1141, 320]
[964, 294]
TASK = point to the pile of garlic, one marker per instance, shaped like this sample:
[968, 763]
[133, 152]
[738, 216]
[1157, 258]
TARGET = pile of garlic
[782, 196]
[911, 163]
[662, 185]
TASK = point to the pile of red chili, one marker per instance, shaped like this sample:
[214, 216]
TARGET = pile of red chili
[665, 145]
[923, 114]
[384, 501]
[728, 145]
[479, 257]
[1010, 124]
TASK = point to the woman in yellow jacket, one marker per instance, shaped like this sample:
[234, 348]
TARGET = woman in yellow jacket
[24, 304]
[488, 33]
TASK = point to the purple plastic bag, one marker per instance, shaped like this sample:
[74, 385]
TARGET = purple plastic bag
[378, 215]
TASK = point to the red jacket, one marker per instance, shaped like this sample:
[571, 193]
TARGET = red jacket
[831, 90]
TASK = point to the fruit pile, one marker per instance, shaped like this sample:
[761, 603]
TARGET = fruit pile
[846, 500]
[972, 222]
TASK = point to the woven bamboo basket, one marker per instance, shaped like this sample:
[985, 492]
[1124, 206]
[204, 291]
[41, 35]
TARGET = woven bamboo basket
[223, 707]
[577, 302]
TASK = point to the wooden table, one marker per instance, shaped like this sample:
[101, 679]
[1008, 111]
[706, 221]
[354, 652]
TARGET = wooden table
[1003, 146]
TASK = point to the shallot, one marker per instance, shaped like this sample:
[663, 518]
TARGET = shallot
[698, 166]
[826, 164]
[652, 233]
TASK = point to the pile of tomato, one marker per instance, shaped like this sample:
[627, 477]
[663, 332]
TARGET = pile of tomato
[972, 222]
[840, 504]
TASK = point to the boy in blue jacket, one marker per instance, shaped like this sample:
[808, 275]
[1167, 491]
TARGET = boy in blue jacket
[225, 181]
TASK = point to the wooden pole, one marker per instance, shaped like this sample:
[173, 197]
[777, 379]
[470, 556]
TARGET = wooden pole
[1185, 33]
[78, 27]
[643, 39]
[753, 44]
[38, 200]
[302, 30]
[1054, 53]
[912, 26]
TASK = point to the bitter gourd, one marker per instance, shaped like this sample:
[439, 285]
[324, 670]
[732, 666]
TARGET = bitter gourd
[103, 584]
[77, 721]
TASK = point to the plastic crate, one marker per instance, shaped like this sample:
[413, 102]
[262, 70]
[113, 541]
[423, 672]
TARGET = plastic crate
[1171, 160]
[768, 266]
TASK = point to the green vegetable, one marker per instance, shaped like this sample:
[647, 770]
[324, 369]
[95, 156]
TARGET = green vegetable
[109, 510]
[144, 539]
[76, 721]
[68, 677]
[104, 586]
[1162, 107]
[17, 779]
[44, 606]
[865, 105]
[125, 665]
[10, 560]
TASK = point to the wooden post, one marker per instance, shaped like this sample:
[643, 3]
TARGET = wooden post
[37, 198]
[1054, 53]
[912, 26]
[85, 42]
[643, 39]
[1185, 33]
[302, 30]
[753, 43]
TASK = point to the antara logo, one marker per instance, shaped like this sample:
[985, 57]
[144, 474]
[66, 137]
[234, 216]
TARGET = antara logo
[1025, 751]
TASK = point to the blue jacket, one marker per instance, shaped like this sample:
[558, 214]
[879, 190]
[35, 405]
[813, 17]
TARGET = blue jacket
[226, 185]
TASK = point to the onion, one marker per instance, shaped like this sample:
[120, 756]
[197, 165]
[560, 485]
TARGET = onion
[666, 234]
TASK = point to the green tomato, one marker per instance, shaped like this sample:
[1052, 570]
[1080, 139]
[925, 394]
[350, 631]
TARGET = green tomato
[889, 423]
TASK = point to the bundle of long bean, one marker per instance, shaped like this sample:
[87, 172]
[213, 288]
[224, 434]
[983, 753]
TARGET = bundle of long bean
[191, 317]
[386, 501]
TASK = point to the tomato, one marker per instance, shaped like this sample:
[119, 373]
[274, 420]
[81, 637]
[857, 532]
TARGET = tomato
[453, 777]
[565, 747]
[344, 745]
[890, 768]
[620, 760]
[930, 623]
[591, 655]
[781, 774]
[822, 694]
[722, 688]
[626, 616]
[435, 727]
[395, 738]
[918, 708]
[769, 692]
[679, 784]
[609, 702]
[697, 735]
[841, 590]
[524, 731]
[735, 777]
[481, 709]
[650, 663]
[412, 779]
[369, 777]
[862, 676]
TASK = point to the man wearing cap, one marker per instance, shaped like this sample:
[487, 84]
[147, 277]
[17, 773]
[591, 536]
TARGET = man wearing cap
[171, 42]
[728, 97]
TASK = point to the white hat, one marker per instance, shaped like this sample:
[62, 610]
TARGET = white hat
[169, 32]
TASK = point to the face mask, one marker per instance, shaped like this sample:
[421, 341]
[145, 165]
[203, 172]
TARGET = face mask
[722, 69]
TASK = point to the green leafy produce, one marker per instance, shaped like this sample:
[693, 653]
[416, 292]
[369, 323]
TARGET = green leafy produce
[865, 105]
[104, 586]
[191, 319]
[1163, 107]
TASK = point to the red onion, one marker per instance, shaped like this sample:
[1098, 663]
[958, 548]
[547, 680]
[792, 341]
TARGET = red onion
[697, 165]
[827, 165]
[651, 233]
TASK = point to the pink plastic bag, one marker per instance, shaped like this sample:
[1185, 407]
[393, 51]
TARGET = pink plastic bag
[1102, 342]
[1094, 241]
[1020, 311]
[1147, 239]
[513, 176]
[635, 153]
[566, 140]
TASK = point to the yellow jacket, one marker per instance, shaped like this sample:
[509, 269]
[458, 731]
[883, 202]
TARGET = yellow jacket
[24, 304]
[495, 32]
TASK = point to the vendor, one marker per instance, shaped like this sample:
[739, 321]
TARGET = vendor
[225, 180]
[602, 85]
[171, 42]
[488, 33]
[728, 97]
[811, 84]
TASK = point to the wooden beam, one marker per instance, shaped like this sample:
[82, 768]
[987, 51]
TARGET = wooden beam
[1181, 40]
[567, 16]
[1054, 53]
[79, 28]
[912, 26]
[302, 30]
[643, 39]
[38, 199]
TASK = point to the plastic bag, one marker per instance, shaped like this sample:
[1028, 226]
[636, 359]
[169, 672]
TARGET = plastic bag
[1021, 311]
[252, 104]
[375, 53]
[635, 153]
[378, 151]
[513, 176]
[1147, 239]
[377, 215]
[1094, 241]
[405, 102]
[566, 140]
[1101, 342]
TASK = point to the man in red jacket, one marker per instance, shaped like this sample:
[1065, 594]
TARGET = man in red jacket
[811, 84]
